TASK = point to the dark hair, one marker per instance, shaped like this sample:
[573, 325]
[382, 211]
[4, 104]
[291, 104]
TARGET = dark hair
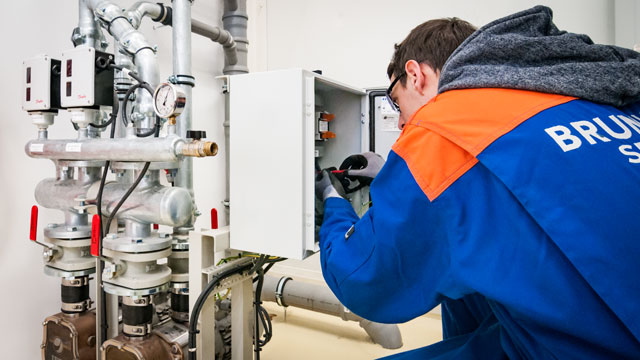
[430, 43]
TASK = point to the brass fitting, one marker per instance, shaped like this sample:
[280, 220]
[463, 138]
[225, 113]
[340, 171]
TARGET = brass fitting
[199, 148]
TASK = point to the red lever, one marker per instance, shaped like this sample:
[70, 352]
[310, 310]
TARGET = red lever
[33, 230]
[95, 235]
[156, 226]
[214, 218]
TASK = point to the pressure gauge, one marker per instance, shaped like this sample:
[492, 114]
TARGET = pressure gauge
[168, 100]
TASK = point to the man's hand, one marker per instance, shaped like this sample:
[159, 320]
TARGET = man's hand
[362, 167]
[327, 185]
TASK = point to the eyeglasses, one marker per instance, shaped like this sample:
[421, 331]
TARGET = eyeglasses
[393, 104]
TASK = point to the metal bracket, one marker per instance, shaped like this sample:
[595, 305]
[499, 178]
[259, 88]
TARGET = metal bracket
[279, 288]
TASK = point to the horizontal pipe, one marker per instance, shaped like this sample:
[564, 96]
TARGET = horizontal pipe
[165, 149]
[321, 299]
[153, 203]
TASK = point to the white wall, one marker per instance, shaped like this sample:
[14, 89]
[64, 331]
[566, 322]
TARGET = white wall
[34, 27]
[352, 41]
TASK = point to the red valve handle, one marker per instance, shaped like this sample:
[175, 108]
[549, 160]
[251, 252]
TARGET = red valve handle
[95, 235]
[33, 230]
[214, 218]
[156, 226]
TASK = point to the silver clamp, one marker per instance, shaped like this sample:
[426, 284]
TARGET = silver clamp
[76, 307]
[279, 288]
[136, 330]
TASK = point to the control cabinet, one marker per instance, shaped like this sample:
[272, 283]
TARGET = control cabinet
[285, 125]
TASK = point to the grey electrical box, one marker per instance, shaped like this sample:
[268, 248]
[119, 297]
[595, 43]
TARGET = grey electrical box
[86, 80]
[41, 84]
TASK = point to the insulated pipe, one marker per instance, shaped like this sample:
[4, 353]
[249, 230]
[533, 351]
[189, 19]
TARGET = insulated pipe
[134, 43]
[321, 299]
[141, 9]
[181, 23]
[151, 204]
[166, 149]
[146, 149]
[88, 31]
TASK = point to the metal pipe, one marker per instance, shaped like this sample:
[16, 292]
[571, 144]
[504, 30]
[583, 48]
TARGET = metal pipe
[153, 204]
[88, 31]
[134, 43]
[141, 9]
[167, 149]
[181, 23]
[218, 35]
[321, 299]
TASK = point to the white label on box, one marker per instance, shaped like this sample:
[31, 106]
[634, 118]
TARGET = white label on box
[73, 147]
[390, 122]
[36, 147]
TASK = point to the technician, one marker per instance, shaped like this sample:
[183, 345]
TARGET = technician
[511, 197]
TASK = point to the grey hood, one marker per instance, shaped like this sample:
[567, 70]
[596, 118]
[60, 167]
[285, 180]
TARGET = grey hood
[527, 51]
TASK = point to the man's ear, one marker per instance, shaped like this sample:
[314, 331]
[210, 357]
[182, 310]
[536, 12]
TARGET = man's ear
[415, 76]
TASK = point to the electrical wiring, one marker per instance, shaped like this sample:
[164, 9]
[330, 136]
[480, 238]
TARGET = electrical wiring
[364, 208]
[262, 316]
[197, 307]
[114, 114]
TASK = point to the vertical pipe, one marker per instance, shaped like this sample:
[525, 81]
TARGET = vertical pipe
[182, 71]
[234, 19]
[88, 31]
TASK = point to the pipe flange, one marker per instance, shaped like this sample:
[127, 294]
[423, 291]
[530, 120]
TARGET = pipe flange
[62, 231]
[51, 271]
[136, 245]
[123, 291]
[279, 288]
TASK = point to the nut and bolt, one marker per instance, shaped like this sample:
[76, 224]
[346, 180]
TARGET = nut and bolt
[47, 255]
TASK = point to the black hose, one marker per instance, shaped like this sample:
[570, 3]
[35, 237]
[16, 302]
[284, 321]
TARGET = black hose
[103, 294]
[197, 307]
[257, 305]
[133, 187]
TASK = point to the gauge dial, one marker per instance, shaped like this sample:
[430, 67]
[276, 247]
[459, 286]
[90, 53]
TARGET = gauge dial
[168, 100]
